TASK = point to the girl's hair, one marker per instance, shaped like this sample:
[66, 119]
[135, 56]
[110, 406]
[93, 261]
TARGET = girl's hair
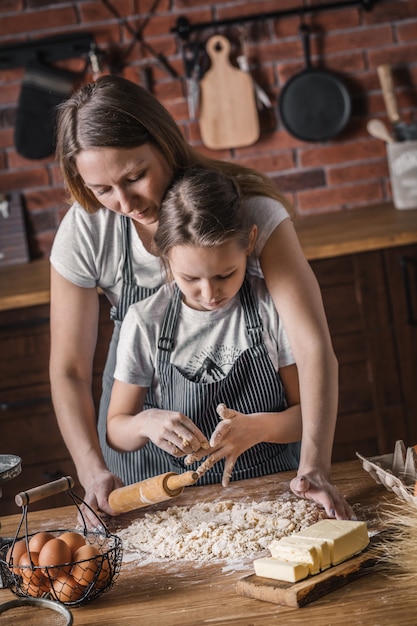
[115, 112]
[202, 208]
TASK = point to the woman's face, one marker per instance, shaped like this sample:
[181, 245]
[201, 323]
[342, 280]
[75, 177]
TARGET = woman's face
[129, 181]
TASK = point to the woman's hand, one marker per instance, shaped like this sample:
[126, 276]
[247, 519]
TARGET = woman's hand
[97, 490]
[316, 487]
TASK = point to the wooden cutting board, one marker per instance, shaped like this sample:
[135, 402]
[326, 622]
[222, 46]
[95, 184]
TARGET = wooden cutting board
[228, 114]
[307, 590]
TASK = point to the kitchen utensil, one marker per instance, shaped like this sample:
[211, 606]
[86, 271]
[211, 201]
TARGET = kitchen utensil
[191, 59]
[228, 113]
[150, 491]
[98, 573]
[314, 105]
[35, 612]
[402, 131]
[376, 128]
[310, 589]
[10, 467]
[402, 164]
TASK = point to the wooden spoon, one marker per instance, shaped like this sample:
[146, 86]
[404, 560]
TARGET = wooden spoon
[379, 130]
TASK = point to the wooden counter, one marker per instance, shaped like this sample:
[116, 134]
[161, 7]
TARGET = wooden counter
[178, 594]
[322, 236]
[358, 230]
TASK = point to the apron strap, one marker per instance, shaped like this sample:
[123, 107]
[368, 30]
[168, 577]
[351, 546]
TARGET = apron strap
[131, 292]
[169, 323]
[252, 317]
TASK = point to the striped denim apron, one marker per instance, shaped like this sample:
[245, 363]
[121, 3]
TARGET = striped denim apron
[251, 386]
[129, 466]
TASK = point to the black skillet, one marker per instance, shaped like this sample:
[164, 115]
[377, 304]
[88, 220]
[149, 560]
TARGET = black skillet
[314, 105]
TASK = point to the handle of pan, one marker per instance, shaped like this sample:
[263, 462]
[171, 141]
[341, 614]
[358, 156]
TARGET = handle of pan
[44, 491]
[304, 31]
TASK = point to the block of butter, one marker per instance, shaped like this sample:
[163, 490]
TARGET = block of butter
[297, 548]
[344, 537]
[313, 549]
[280, 570]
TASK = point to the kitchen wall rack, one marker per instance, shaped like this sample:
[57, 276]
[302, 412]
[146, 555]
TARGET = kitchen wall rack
[48, 50]
[184, 28]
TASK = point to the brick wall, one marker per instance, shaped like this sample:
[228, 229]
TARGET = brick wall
[347, 172]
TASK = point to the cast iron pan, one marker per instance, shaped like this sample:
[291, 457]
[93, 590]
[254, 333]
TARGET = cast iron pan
[314, 105]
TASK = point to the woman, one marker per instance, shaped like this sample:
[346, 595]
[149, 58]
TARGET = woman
[119, 150]
[211, 338]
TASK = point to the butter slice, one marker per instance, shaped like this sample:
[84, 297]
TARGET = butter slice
[297, 552]
[297, 542]
[345, 537]
[280, 570]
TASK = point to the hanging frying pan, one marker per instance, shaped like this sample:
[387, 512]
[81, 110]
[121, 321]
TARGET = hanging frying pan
[314, 105]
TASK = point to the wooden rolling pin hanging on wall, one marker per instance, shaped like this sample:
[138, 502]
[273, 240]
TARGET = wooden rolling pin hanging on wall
[150, 491]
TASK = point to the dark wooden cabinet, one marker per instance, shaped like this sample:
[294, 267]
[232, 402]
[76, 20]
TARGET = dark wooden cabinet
[371, 304]
[401, 272]
[28, 426]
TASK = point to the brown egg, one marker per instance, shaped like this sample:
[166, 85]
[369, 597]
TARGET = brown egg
[105, 574]
[18, 549]
[73, 540]
[37, 541]
[66, 588]
[55, 553]
[85, 570]
[34, 582]
[35, 590]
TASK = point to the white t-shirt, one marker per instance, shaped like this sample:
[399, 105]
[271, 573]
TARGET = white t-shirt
[88, 247]
[206, 344]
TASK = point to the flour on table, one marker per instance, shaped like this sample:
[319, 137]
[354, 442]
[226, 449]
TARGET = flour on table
[224, 530]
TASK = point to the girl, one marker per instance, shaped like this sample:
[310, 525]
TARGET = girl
[213, 336]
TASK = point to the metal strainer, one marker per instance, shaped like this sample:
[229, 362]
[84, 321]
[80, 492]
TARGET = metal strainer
[10, 466]
[34, 612]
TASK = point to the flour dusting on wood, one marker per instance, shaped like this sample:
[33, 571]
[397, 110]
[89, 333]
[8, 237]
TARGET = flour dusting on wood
[214, 531]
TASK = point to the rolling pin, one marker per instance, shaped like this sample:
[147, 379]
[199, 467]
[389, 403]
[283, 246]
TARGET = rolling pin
[150, 491]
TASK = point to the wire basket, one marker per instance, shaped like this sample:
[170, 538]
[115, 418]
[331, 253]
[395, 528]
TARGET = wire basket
[74, 581]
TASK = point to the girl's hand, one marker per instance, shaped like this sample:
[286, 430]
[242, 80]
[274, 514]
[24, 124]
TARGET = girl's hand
[316, 487]
[174, 432]
[235, 434]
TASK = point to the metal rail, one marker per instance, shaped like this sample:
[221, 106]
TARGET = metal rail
[184, 27]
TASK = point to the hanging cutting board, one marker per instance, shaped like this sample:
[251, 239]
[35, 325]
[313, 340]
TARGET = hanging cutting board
[228, 114]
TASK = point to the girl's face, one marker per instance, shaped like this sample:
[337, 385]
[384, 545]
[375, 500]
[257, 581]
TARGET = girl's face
[129, 181]
[209, 277]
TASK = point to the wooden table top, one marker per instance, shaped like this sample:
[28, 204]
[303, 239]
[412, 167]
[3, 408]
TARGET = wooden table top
[171, 594]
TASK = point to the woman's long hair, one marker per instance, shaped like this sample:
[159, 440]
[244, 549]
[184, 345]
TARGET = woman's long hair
[115, 112]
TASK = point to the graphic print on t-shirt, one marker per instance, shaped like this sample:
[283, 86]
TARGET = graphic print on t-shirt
[212, 363]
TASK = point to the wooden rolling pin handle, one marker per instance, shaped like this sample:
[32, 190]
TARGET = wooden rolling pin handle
[43, 491]
[150, 491]
[175, 482]
[387, 86]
